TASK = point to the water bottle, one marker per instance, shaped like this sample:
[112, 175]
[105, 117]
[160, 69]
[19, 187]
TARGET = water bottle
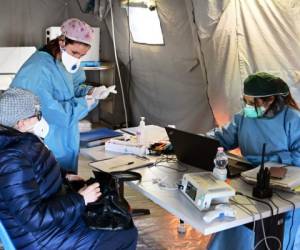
[140, 133]
[221, 161]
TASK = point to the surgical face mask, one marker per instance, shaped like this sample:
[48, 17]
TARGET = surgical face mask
[40, 129]
[251, 112]
[71, 63]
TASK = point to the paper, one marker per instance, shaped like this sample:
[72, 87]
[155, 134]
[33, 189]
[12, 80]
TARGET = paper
[122, 163]
[290, 181]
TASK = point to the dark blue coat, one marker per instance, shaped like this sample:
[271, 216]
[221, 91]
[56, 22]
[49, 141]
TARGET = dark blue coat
[32, 207]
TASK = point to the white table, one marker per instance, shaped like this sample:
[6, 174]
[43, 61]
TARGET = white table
[177, 204]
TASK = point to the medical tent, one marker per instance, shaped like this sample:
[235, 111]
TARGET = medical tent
[194, 79]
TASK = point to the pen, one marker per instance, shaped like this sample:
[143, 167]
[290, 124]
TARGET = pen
[141, 157]
[125, 164]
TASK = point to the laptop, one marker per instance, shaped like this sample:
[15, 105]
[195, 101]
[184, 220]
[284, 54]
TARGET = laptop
[200, 151]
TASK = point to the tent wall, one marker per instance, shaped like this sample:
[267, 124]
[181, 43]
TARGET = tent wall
[210, 47]
[167, 85]
[239, 37]
[23, 22]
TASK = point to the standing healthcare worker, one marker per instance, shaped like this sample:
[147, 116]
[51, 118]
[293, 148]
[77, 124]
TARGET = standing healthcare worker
[270, 115]
[53, 73]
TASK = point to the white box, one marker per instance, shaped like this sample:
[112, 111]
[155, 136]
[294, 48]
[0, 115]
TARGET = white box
[92, 55]
[114, 145]
[11, 60]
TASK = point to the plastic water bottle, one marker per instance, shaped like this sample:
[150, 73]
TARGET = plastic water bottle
[221, 161]
[141, 132]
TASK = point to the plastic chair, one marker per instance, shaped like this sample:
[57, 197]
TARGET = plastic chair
[5, 239]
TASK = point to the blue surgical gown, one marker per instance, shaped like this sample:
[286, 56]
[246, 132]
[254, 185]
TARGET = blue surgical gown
[282, 136]
[63, 103]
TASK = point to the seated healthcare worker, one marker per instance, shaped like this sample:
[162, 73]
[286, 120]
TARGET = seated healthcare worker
[270, 115]
[54, 75]
[35, 210]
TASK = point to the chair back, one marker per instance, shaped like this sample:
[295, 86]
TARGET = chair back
[5, 239]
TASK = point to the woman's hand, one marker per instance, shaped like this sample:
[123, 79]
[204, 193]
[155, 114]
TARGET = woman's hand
[90, 193]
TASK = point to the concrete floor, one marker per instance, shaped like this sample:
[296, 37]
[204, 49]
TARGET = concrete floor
[157, 231]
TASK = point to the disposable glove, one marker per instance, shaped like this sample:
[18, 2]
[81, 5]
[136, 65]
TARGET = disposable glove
[102, 92]
[90, 101]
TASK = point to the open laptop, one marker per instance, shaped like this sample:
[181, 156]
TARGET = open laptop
[200, 151]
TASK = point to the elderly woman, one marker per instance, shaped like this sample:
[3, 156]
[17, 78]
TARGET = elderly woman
[54, 75]
[270, 115]
[35, 211]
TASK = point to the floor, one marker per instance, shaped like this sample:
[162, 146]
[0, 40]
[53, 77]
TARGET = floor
[157, 231]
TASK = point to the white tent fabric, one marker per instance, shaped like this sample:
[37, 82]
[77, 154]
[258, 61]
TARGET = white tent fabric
[210, 47]
[167, 85]
[239, 37]
[23, 23]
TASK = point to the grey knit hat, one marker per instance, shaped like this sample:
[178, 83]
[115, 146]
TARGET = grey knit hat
[17, 104]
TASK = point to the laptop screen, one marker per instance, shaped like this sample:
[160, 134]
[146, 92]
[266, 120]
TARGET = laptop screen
[193, 149]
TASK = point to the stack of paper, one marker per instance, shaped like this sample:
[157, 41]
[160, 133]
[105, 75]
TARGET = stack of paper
[291, 181]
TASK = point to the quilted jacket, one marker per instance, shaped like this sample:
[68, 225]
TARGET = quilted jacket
[33, 208]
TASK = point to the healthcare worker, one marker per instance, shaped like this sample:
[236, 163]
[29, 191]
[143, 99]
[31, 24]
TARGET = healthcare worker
[54, 75]
[270, 115]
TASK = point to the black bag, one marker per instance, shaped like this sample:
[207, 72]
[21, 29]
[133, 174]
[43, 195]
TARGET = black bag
[111, 211]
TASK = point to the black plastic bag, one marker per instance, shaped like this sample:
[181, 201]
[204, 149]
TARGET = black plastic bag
[111, 211]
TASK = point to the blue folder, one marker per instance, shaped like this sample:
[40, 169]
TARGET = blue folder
[96, 137]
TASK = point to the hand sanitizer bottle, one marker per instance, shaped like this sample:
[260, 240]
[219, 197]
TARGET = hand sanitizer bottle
[221, 161]
[140, 133]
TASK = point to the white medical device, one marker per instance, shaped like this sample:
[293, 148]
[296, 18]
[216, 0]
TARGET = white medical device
[93, 53]
[202, 189]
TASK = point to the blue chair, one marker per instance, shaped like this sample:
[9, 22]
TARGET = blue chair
[5, 239]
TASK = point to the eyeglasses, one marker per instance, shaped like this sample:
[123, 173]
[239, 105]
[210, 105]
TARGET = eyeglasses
[37, 114]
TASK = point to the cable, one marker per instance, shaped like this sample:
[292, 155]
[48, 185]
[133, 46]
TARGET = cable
[129, 53]
[242, 206]
[252, 198]
[269, 237]
[168, 159]
[263, 227]
[293, 213]
[262, 224]
[277, 208]
[117, 62]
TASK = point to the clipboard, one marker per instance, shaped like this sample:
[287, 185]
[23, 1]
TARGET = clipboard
[122, 163]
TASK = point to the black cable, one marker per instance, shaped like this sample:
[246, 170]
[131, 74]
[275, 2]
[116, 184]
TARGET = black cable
[168, 159]
[277, 208]
[264, 202]
[252, 198]
[293, 213]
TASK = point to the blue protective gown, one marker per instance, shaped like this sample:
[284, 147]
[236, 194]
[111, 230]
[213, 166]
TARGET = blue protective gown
[62, 97]
[282, 136]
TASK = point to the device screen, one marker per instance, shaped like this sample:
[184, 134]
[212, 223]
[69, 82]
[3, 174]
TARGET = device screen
[191, 191]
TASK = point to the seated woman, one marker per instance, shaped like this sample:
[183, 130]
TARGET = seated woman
[270, 115]
[33, 207]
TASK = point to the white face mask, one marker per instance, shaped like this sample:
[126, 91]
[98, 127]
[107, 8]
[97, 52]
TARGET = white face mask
[71, 63]
[40, 129]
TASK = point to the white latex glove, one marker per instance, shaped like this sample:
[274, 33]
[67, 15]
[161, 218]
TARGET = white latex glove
[90, 100]
[90, 193]
[102, 92]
